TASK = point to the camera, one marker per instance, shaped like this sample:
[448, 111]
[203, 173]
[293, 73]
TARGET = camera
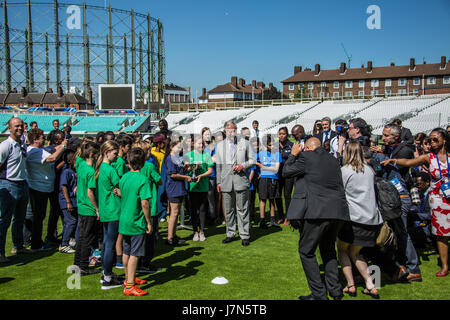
[342, 129]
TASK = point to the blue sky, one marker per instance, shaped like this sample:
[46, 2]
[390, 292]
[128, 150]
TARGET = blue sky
[207, 42]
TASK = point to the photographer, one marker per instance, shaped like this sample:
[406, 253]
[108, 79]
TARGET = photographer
[357, 130]
[341, 127]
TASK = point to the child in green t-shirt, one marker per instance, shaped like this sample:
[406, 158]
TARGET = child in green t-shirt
[109, 210]
[201, 167]
[124, 141]
[134, 221]
[150, 172]
[87, 207]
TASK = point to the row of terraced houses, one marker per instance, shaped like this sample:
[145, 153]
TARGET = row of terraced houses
[412, 79]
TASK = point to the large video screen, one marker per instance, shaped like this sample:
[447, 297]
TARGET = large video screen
[116, 97]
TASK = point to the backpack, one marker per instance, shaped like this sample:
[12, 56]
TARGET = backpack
[388, 199]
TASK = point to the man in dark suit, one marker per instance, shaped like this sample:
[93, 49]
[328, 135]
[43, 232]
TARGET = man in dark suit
[320, 205]
[327, 133]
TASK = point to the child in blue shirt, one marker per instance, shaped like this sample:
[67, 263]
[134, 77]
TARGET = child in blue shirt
[269, 162]
[68, 201]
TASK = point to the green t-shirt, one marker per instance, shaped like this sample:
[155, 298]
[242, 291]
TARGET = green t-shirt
[120, 166]
[108, 203]
[134, 188]
[204, 161]
[79, 160]
[149, 170]
[85, 181]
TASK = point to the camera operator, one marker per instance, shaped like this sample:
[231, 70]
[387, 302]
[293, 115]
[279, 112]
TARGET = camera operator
[341, 128]
[357, 130]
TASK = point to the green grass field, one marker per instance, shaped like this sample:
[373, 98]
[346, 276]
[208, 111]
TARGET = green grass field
[268, 269]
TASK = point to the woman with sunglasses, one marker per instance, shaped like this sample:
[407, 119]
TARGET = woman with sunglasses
[437, 162]
[317, 129]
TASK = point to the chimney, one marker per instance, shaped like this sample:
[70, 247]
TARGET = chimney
[307, 69]
[443, 60]
[234, 81]
[241, 82]
[342, 68]
[204, 92]
[270, 85]
[317, 69]
[412, 64]
[362, 66]
[392, 64]
[369, 66]
[254, 83]
[297, 69]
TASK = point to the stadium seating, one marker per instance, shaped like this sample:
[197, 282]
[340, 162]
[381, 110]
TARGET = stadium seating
[387, 109]
[333, 109]
[269, 117]
[98, 123]
[214, 120]
[437, 115]
[138, 121]
[44, 121]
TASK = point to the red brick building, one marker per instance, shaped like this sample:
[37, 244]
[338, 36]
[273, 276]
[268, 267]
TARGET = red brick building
[236, 90]
[370, 81]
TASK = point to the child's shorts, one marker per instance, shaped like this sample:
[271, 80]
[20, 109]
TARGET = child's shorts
[134, 245]
[268, 188]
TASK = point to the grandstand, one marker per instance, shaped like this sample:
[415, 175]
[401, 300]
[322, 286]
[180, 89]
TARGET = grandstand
[81, 123]
[419, 113]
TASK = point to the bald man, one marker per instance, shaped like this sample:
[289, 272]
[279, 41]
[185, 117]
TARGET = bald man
[318, 209]
[13, 188]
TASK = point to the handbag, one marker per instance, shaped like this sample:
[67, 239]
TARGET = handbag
[386, 236]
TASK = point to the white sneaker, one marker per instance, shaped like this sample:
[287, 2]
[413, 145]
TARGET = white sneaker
[72, 242]
[196, 237]
[66, 249]
[202, 236]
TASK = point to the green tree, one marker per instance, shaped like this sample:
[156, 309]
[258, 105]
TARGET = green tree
[301, 92]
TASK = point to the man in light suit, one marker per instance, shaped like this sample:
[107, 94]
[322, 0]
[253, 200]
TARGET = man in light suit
[233, 158]
[320, 206]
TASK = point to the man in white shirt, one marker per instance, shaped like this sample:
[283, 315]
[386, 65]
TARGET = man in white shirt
[41, 178]
[254, 132]
[13, 188]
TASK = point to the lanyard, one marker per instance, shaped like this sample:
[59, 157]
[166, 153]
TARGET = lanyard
[422, 205]
[448, 169]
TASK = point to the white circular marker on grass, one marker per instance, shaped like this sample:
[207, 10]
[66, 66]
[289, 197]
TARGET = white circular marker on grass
[219, 280]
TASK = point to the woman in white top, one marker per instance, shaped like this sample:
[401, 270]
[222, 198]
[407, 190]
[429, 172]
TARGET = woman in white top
[41, 178]
[362, 230]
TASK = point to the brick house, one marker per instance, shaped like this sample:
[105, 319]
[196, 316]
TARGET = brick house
[236, 90]
[47, 99]
[409, 79]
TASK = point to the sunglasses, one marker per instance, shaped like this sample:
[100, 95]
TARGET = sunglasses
[434, 139]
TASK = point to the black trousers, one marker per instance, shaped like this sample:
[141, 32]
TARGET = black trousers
[199, 202]
[151, 241]
[287, 185]
[38, 201]
[55, 214]
[320, 233]
[86, 239]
